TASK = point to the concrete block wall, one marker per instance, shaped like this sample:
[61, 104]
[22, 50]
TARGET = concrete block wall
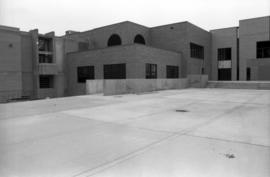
[27, 65]
[197, 81]
[172, 37]
[10, 64]
[177, 37]
[60, 78]
[260, 69]
[169, 46]
[224, 38]
[94, 86]
[201, 37]
[259, 85]
[96, 58]
[123, 86]
[98, 37]
[142, 85]
[115, 87]
[135, 57]
[46, 93]
[250, 32]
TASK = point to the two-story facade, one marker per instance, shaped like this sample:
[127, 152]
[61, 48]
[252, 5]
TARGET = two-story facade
[34, 65]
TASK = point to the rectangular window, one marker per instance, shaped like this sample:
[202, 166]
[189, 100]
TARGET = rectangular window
[224, 74]
[172, 71]
[115, 71]
[196, 51]
[150, 71]
[45, 44]
[85, 73]
[46, 81]
[263, 49]
[45, 58]
[224, 54]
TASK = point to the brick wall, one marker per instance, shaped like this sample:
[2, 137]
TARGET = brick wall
[135, 56]
[250, 32]
[224, 38]
[10, 65]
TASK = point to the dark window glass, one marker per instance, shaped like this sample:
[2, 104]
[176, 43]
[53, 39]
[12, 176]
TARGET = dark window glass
[172, 71]
[114, 71]
[224, 54]
[85, 73]
[139, 39]
[263, 49]
[114, 40]
[45, 44]
[225, 74]
[46, 81]
[151, 71]
[248, 74]
[83, 46]
[196, 51]
[45, 58]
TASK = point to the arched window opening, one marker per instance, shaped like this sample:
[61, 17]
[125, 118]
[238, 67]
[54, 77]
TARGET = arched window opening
[114, 40]
[139, 39]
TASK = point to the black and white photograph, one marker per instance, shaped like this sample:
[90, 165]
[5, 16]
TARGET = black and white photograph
[134, 88]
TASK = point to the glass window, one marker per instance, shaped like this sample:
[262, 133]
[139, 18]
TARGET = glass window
[114, 40]
[45, 58]
[172, 71]
[196, 51]
[45, 44]
[139, 39]
[151, 71]
[263, 49]
[224, 54]
[85, 73]
[46, 81]
[115, 71]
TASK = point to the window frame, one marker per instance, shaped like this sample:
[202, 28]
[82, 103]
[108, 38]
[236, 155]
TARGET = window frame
[46, 84]
[114, 40]
[224, 54]
[172, 71]
[196, 51]
[114, 71]
[262, 52]
[45, 44]
[45, 58]
[150, 71]
[139, 39]
[83, 74]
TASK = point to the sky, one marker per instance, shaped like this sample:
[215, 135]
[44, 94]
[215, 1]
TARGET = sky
[82, 15]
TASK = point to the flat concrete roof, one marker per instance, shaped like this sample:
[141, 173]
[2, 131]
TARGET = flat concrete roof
[190, 132]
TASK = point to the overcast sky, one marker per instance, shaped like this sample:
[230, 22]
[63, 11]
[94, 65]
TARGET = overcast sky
[81, 15]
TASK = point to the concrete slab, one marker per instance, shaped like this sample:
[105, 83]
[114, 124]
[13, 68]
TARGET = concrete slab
[224, 132]
[188, 156]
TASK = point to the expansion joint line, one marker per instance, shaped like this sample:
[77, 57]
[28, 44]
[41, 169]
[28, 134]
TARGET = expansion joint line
[123, 158]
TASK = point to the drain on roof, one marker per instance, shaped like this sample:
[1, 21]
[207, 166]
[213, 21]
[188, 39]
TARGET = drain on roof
[230, 156]
[181, 110]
